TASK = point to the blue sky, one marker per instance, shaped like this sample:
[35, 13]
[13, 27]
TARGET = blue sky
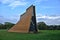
[47, 11]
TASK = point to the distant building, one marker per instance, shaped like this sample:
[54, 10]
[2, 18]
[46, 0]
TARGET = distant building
[27, 22]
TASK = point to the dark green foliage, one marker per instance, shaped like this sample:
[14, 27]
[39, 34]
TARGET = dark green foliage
[42, 26]
[6, 25]
[1, 26]
[54, 27]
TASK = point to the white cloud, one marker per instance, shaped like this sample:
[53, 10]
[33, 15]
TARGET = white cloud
[38, 1]
[14, 3]
[49, 17]
[17, 3]
[49, 20]
[6, 1]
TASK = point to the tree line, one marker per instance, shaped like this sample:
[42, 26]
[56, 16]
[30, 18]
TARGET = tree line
[44, 26]
[6, 25]
[40, 25]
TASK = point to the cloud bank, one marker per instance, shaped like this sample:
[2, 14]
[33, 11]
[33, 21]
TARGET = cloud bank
[49, 20]
[14, 3]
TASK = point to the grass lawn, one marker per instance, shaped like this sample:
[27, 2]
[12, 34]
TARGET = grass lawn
[42, 35]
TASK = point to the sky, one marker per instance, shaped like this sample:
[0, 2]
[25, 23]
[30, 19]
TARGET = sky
[47, 11]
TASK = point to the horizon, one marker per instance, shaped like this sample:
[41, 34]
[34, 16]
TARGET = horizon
[47, 11]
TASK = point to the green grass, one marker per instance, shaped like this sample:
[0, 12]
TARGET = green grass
[42, 35]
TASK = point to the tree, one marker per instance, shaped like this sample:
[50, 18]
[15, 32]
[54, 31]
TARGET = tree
[8, 25]
[1, 26]
[42, 26]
